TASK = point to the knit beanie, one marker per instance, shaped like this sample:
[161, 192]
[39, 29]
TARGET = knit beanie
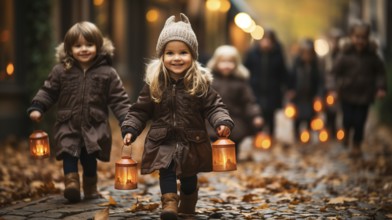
[181, 31]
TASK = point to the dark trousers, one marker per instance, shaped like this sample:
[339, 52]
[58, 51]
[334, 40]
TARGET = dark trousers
[269, 120]
[354, 117]
[168, 181]
[331, 122]
[88, 161]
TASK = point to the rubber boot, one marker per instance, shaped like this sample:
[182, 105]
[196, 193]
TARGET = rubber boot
[90, 188]
[169, 206]
[72, 187]
[188, 202]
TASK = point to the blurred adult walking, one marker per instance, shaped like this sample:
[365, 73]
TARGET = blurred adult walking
[268, 77]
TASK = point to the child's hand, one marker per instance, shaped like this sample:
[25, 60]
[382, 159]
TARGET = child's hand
[258, 122]
[35, 116]
[223, 131]
[127, 138]
[380, 93]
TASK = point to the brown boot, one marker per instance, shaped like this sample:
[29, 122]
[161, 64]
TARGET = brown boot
[188, 202]
[72, 187]
[169, 206]
[90, 188]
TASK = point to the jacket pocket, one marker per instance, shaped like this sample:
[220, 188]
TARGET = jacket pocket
[197, 136]
[157, 134]
[64, 115]
[97, 115]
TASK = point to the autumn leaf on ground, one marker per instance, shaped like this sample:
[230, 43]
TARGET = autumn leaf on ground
[102, 214]
[249, 197]
[143, 207]
[263, 206]
[341, 200]
[111, 202]
[217, 200]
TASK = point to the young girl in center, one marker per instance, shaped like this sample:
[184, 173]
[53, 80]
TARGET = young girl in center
[177, 97]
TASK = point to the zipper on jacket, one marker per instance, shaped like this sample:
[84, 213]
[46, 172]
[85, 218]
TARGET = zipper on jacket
[174, 116]
[84, 90]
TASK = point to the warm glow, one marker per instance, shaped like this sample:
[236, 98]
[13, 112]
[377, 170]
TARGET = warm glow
[305, 136]
[262, 141]
[290, 111]
[125, 174]
[317, 105]
[251, 27]
[213, 5]
[5, 36]
[340, 134]
[10, 69]
[317, 124]
[321, 47]
[330, 100]
[152, 15]
[323, 136]
[98, 2]
[223, 155]
[225, 6]
[39, 150]
[243, 20]
[257, 33]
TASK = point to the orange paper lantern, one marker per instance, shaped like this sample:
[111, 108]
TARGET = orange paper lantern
[223, 155]
[39, 144]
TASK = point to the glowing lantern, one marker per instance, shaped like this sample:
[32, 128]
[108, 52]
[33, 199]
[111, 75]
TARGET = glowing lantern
[223, 155]
[305, 136]
[340, 135]
[330, 100]
[317, 105]
[262, 141]
[126, 174]
[323, 135]
[39, 144]
[290, 111]
[317, 124]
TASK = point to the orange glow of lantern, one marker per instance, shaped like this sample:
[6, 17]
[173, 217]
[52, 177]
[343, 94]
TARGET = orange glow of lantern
[305, 136]
[330, 100]
[290, 111]
[126, 174]
[340, 135]
[323, 136]
[317, 105]
[223, 155]
[39, 144]
[262, 141]
[317, 124]
[10, 69]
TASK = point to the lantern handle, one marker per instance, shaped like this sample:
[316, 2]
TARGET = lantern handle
[122, 149]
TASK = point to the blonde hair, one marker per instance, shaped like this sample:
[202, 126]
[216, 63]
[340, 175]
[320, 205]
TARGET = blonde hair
[196, 79]
[229, 51]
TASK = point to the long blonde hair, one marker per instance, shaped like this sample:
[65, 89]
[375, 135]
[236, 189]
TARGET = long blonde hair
[196, 79]
[226, 50]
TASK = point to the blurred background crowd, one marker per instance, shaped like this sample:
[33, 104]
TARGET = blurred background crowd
[289, 49]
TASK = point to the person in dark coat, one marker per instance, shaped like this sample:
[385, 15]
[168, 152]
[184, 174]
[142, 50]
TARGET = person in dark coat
[84, 86]
[359, 77]
[177, 98]
[306, 82]
[268, 75]
[231, 82]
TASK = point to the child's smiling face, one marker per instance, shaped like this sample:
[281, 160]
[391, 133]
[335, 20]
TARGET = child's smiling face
[177, 57]
[84, 52]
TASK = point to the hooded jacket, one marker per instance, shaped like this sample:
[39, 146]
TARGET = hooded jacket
[177, 132]
[83, 101]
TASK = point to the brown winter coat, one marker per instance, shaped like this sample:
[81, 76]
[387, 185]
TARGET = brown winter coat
[83, 102]
[177, 132]
[238, 96]
[357, 76]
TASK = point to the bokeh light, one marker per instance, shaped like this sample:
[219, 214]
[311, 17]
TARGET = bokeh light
[243, 20]
[152, 15]
[321, 47]
[258, 33]
[10, 69]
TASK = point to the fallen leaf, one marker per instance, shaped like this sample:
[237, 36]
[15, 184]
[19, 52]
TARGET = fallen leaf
[111, 202]
[263, 206]
[249, 197]
[217, 200]
[143, 207]
[341, 200]
[102, 214]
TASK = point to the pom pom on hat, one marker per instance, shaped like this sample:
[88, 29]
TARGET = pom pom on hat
[180, 31]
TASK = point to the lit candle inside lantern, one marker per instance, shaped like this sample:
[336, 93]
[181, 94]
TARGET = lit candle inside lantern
[290, 110]
[305, 136]
[125, 174]
[39, 144]
[317, 105]
[323, 136]
[223, 155]
[330, 100]
[39, 150]
[340, 134]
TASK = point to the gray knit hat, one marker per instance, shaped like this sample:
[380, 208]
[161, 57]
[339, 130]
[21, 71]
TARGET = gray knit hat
[181, 31]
